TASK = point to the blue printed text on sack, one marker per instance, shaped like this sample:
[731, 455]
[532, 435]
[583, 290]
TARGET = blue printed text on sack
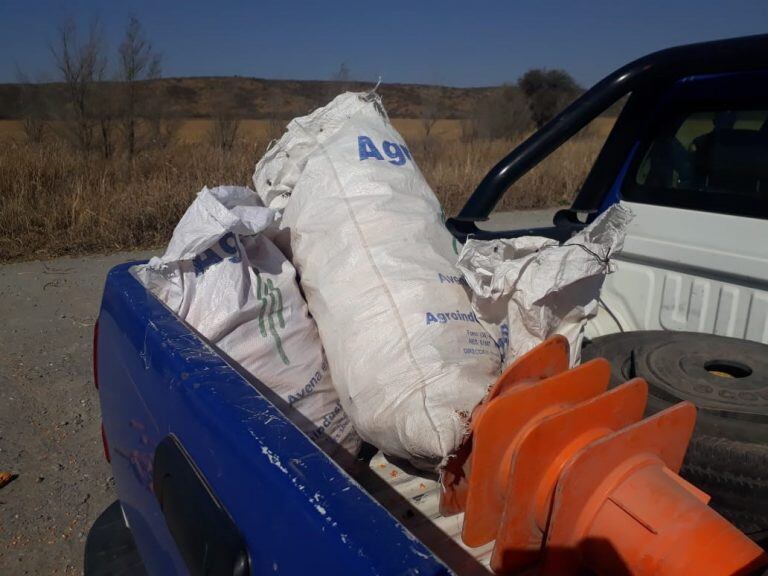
[226, 247]
[445, 317]
[451, 279]
[397, 154]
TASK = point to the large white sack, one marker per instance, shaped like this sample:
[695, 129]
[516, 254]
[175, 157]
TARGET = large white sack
[227, 280]
[527, 289]
[408, 357]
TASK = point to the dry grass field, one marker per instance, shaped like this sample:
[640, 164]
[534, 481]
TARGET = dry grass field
[55, 200]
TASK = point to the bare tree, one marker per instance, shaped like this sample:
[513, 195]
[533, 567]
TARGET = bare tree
[105, 113]
[468, 127]
[163, 127]
[34, 110]
[34, 128]
[343, 74]
[275, 115]
[223, 132]
[431, 110]
[341, 81]
[80, 65]
[138, 62]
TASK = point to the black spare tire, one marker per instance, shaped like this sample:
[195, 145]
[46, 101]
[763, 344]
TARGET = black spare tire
[727, 379]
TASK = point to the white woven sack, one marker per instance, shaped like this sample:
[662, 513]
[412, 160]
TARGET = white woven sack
[532, 287]
[227, 280]
[409, 359]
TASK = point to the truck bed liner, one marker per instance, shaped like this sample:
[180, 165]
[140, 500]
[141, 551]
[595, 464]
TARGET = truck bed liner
[419, 505]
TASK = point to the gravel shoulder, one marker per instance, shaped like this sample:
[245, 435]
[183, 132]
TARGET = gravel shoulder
[49, 411]
[500, 221]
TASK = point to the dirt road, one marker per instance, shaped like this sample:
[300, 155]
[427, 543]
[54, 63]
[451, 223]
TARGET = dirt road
[49, 413]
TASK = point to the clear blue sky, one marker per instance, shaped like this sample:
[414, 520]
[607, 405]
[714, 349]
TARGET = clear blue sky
[467, 43]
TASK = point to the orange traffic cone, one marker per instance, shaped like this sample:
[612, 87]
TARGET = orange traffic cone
[564, 475]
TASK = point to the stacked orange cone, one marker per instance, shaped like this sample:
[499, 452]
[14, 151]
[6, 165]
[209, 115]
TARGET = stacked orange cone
[564, 474]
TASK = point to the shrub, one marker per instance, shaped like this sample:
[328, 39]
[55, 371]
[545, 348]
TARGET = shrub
[548, 92]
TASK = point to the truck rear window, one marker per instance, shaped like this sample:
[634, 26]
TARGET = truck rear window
[714, 161]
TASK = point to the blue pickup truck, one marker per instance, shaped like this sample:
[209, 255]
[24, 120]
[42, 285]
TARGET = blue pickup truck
[212, 478]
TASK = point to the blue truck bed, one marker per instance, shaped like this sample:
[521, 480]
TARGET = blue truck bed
[293, 508]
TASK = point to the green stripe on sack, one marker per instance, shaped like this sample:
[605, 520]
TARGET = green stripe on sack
[263, 309]
[275, 306]
[278, 342]
[279, 302]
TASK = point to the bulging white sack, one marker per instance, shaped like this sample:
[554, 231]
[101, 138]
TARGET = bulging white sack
[530, 288]
[408, 357]
[226, 279]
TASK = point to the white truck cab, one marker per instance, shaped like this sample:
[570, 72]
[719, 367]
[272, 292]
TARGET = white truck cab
[686, 307]
[696, 254]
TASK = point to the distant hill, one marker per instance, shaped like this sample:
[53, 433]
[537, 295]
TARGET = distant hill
[250, 97]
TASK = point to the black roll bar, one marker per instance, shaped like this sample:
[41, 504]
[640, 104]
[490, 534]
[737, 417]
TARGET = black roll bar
[719, 56]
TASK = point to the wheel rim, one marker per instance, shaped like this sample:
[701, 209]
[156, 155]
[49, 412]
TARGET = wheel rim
[718, 374]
